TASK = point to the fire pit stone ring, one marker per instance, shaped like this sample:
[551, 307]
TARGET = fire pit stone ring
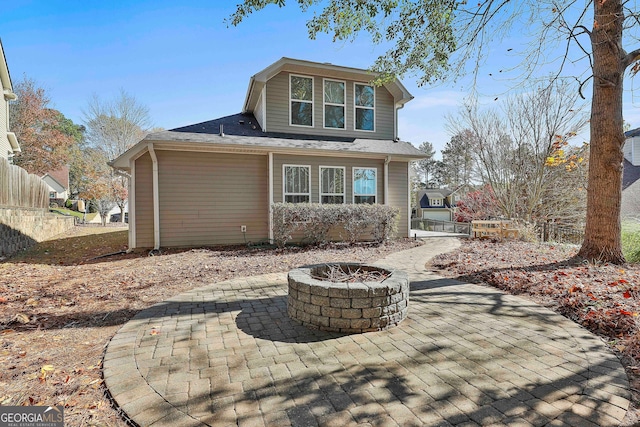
[368, 298]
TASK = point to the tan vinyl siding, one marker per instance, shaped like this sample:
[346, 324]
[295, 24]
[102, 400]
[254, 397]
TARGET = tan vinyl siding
[144, 202]
[399, 194]
[635, 141]
[206, 197]
[315, 162]
[277, 114]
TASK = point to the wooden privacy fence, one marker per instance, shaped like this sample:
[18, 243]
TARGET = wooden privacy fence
[21, 189]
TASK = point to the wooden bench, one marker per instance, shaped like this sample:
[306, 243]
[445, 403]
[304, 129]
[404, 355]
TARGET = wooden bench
[494, 229]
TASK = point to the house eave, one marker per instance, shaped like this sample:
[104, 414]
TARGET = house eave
[5, 77]
[265, 150]
[123, 162]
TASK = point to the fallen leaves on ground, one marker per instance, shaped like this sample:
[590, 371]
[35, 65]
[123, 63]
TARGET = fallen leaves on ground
[61, 302]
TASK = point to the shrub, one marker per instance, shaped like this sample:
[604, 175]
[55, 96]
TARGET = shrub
[68, 204]
[315, 221]
[479, 204]
[284, 223]
[353, 222]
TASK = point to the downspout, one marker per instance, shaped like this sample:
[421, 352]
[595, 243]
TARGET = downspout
[409, 199]
[132, 205]
[386, 180]
[270, 183]
[156, 200]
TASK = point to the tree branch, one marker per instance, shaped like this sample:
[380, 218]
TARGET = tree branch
[630, 58]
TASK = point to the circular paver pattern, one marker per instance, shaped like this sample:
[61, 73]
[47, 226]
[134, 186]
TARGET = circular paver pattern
[228, 354]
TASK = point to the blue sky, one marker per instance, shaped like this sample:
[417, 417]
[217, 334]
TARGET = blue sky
[181, 60]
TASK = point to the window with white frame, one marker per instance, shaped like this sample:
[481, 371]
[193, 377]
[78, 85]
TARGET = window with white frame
[332, 184]
[436, 202]
[334, 102]
[364, 185]
[364, 102]
[296, 183]
[301, 100]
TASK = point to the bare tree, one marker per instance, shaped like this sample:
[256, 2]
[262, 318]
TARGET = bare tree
[113, 127]
[513, 146]
[438, 38]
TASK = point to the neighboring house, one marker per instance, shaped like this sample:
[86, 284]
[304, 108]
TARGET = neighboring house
[630, 207]
[308, 132]
[58, 182]
[8, 141]
[435, 203]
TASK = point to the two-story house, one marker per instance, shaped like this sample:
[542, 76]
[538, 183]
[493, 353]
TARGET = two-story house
[308, 132]
[8, 141]
[435, 203]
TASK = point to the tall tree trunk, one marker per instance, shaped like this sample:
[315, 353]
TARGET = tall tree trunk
[602, 233]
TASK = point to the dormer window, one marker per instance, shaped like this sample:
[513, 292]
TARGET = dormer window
[436, 202]
[301, 100]
[334, 103]
[364, 100]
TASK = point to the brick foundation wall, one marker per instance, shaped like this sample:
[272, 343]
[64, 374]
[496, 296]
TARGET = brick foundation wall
[21, 228]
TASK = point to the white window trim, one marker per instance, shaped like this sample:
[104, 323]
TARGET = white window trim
[312, 102]
[366, 108]
[353, 184]
[284, 182]
[344, 105]
[344, 184]
[437, 202]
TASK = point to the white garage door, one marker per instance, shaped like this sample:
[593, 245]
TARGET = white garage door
[434, 214]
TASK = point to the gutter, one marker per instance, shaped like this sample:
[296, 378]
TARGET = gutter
[156, 200]
[9, 95]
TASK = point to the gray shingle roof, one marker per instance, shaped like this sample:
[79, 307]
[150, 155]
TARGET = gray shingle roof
[242, 130]
[631, 133]
[630, 174]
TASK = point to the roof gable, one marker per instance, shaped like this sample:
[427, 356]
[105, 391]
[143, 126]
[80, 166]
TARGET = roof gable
[324, 69]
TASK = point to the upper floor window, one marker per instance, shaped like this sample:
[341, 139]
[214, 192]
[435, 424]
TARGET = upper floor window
[297, 183]
[436, 202]
[364, 185]
[364, 100]
[301, 100]
[334, 103]
[331, 184]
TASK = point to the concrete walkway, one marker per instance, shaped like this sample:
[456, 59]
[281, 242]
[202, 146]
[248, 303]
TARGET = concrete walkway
[467, 355]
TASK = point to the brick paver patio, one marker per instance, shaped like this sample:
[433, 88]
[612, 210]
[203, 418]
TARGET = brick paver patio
[467, 355]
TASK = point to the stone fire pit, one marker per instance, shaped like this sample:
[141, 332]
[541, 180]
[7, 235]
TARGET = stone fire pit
[371, 299]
